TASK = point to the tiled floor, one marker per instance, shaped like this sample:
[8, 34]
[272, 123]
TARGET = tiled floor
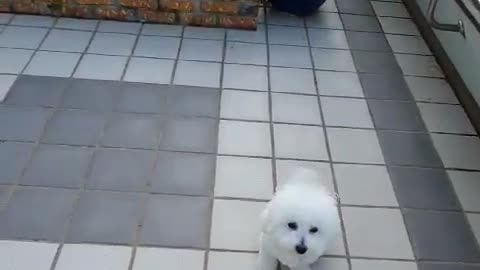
[133, 146]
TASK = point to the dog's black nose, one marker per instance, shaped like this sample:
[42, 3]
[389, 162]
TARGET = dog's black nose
[301, 249]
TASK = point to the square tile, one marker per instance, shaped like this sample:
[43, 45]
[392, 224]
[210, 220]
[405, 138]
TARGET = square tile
[119, 27]
[327, 38]
[346, 112]
[246, 53]
[460, 152]
[198, 74]
[14, 60]
[354, 145]
[280, 80]
[5, 18]
[13, 159]
[149, 70]
[162, 29]
[234, 77]
[474, 221]
[76, 24]
[235, 224]
[189, 215]
[385, 86]
[95, 212]
[6, 82]
[74, 127]
[77, 257]
[219, 260]
[466, 187]
[377, 233]
[395, 115]
[37, 91]
[22, 124]
[22, 37]
[58, 166]
[360, 23]
[286, 35]
[365, 264]
[276, 17]
[408, 149]
[408, 44]
[387, 9]
[37, 214]
[133, 131]
[431, 90]
[399, 26]
[193, 101]
[244, 138]
[361, 7]
[417, 65]
[101, 67]
[181, 259]
[33, 20]
[190, 135]
[56, 64]
[445, 118]
[441, 236]
[160, 47]
[364, 185]
[423, 188]
[66, 41]
[290, 56]
[334, 83]
[324, 19]
[257, 36]
[300, 142]
[143, 98]
[27, 255]
[286, 169]
[239, 177]
[338, 60]
[120, 170]
[112, 44]
[211, 50]
[297, 109]
[183, 173]
[330, 263]
[374, 62]
[365, 41]
[247, 105]
[204, 32]
[91, 95]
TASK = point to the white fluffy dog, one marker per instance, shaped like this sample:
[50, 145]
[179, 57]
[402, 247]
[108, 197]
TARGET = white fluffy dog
[299, 223]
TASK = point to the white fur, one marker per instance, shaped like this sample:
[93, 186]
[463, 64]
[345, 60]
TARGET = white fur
[305, 201]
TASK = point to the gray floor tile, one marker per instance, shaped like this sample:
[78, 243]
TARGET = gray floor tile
[198, 74]
[133, 131]
[13, 159]
[327, 38]
[37, 214]
[14, 60]
[193, 101]
[365, 41]
[331, 263]
[246, 53]
[419, 65]
[149, 70]
[441, 236]
[431, 90]
[280, 80]
[399, 26]
[408, 149]
[385, 9]
[374, 62]
[423, 188]
[408, 44]
[474, 221]
[36, 91]
[234, 77]
[366, 264]
[461, 152]
[329, 59]
[360, 23]
[446, 118]
[5, 192]
[184, 173]
[58, 166]
[466, 186]
[22, 124]
[106, 217]
[120, 170]
[112, 44]
[143, 98]
[66, 41]
[190, 134]
[362, 7]
[161, 47]
[286, 35]
[101, 67]
[211, 50]
[446, 266]
[394, 115]
[6, 82]
[289, 56]
[55, 64]
[22, 37]
[387, 86]
[324, 20]
[74, 127]
[190, 216]
[91, 95]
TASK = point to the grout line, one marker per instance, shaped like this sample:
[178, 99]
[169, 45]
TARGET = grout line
[131, 55]
[85, 50]
[177, 58]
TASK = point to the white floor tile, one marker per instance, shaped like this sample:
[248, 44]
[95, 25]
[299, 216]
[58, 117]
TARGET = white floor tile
[346, 112]
[474, 220]
[408, 44]
[201, 50]
[257, 36]
[286, 169]
[389, 9]
[5, 18]
[467, 187]
[331, 264]
[33, 20]
[6, 81]
[281, 80]
[198, 74]
[162, 30]
[22, 37]
[175, 259]
[14, 60]
[445, 118]
[101, 67]
[16, 255]
[329, 59]
[328, 38]
[354, 145]
[246, 105]
[66, 41]
[245, 77]
[246, 53]
[76, 24]
[149, 70]
[244, 138]
[398, 26]
[359, 264]
[431, 90]
[333, 83]
[204, 32]
[93, 257]
[112, 44]
[56, 64]
[456, 151]
[231, 260]
[302, 142]
[417, 65]
[297, 109]
[119, 27]
[161, 47]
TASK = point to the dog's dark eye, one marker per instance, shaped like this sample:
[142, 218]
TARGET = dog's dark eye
[313, 230]
[292, 225]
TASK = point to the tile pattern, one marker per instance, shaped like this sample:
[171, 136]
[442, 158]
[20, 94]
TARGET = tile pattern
[152, 127]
